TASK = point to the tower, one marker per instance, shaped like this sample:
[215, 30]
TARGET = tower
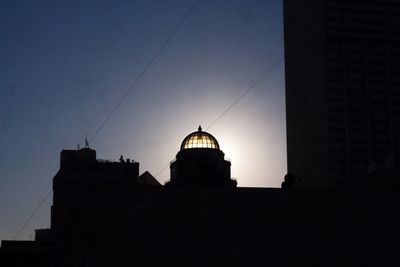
[200, 162]
[76, 187]
[342, 68]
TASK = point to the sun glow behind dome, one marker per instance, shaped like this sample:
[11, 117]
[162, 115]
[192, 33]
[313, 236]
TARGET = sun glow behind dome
[199, 139]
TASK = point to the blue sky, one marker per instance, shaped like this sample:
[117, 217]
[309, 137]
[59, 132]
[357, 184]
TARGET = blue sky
[64, 65]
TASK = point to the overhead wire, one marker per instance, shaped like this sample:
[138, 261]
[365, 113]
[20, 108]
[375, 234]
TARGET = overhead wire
[128, 91]
[149, 64]
[33, 214]
[251, 87]
[152, 60]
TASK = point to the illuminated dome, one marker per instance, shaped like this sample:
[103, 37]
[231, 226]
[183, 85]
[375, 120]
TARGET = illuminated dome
[199, 139]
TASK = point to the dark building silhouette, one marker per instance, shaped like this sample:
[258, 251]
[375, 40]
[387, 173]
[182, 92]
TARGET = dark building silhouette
[81, 174]
[342, 91]
[105, 214]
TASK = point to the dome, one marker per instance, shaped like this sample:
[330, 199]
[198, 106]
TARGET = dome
[199, 139]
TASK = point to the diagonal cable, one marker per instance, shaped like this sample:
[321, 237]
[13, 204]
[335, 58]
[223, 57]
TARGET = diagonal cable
[130, 89]
[138, 78]
[33, 214]
[254, 85]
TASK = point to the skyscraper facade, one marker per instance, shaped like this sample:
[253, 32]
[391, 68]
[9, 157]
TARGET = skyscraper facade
[342, 60]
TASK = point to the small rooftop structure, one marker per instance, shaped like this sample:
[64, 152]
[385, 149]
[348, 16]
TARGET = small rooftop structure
[200, 162]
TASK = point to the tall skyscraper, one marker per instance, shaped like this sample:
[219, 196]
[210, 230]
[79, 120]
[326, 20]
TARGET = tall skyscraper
[342, 89]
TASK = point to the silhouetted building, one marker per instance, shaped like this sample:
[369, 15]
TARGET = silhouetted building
[73, 217]
[342, 61]
[201, 162]
[105, 214]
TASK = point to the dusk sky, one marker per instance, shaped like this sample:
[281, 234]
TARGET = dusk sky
[64, 65]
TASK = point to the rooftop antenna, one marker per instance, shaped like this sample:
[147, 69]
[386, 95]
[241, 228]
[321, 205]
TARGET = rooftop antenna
[86, 142]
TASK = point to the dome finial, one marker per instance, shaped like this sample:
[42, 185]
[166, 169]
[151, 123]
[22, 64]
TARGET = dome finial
[200, 128]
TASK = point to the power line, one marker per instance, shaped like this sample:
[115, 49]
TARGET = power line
[133, 85]
[161, 171]
[138, 78]
[254, 85]
[33, 214]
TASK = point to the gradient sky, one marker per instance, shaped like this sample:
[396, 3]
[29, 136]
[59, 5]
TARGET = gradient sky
[64, 65]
